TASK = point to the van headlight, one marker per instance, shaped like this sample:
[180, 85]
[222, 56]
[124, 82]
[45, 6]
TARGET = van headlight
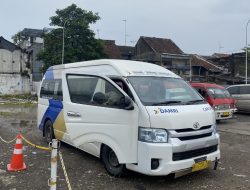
[216, 107]
[153, 135]
[214, 126]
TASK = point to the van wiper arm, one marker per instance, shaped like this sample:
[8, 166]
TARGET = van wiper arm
[193, 102]
[166, 102]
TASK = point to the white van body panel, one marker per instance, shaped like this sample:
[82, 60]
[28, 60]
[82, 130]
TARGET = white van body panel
[124, 68]
[146, 151]
[175, 117]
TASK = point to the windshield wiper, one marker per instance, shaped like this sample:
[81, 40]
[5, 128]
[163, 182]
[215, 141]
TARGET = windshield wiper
[193, 102]
[166, 103]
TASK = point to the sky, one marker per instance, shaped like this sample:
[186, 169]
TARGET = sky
[197, 26]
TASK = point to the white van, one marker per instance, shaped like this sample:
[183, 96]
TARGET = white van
[133, 115]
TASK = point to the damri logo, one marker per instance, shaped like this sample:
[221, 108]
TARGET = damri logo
[161, 110]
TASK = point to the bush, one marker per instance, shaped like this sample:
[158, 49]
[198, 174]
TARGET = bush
[28, 97]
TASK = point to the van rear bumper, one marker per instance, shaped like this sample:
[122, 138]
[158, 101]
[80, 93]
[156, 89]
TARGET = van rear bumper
[163, 152]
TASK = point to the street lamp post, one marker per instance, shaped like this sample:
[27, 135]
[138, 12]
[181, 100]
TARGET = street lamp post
[246, 49]
[63, 41]
[190, 67]
[98, 33]
[125, 22]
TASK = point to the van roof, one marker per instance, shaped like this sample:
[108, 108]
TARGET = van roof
[122, 67]
[205, 85]
[238, 85]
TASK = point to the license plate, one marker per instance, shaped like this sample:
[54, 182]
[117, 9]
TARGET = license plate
[225, 113]
[201, 165]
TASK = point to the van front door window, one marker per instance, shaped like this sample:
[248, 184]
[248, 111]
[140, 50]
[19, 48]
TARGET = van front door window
[93, 90]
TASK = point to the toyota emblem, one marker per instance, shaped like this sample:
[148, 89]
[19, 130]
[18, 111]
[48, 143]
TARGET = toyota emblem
[196, 126]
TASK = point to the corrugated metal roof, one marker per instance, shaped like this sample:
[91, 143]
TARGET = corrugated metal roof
[200, 61]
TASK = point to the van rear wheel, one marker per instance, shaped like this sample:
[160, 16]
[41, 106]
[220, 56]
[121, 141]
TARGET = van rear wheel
[111, 162]
[49, 132]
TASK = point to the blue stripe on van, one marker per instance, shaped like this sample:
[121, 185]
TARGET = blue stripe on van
[49, 74]
[53, 110]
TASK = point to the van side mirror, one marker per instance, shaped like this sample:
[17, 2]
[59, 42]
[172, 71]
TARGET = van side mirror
[99, 98]
[126, 103]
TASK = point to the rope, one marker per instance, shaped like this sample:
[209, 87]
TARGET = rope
[7, 142]
[36, 146]
[64, 171]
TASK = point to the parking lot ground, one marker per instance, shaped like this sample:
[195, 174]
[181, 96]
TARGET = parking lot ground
[87, 172]
[240, 124]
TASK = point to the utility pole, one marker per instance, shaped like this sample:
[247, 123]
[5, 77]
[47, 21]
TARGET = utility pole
[246, 49]
[220, 47]
[98, 36]
[63, 41]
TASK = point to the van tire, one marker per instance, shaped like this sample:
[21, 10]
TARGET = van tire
[49, 131]
[111, 162]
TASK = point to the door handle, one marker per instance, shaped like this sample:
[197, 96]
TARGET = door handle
[73, 114]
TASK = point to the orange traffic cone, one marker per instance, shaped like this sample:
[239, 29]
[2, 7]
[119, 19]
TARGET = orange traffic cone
[17, 157]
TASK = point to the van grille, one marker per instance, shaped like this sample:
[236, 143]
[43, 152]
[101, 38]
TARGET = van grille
[192, 130]
[194, 153]
[224, 106]
[195, 137]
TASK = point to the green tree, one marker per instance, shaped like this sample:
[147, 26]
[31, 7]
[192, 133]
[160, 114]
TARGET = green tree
[80, 43]
[17, 38]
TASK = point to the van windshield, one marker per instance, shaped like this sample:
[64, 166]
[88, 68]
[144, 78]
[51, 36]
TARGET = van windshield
[164, 91]
[219, 93]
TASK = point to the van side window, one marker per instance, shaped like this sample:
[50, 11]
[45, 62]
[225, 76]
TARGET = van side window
[244, 89]
[81, 88]
[51, 89]
[233, 90]
[93, 90]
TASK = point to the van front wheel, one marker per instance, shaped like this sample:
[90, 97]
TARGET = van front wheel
[111, 162]
[48, 132]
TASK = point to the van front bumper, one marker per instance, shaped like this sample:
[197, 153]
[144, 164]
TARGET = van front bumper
[163, 152]
[224, 114]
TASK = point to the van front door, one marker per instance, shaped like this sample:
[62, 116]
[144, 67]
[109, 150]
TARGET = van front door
[94, 113]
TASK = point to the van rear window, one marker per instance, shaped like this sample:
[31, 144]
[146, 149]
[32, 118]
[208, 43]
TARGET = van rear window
[233, 90]
[51, 89]
[244, 89]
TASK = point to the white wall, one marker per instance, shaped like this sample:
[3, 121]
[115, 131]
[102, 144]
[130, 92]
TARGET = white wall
[14, 84]
[11, 66]
[35, 87]
[10, 62]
